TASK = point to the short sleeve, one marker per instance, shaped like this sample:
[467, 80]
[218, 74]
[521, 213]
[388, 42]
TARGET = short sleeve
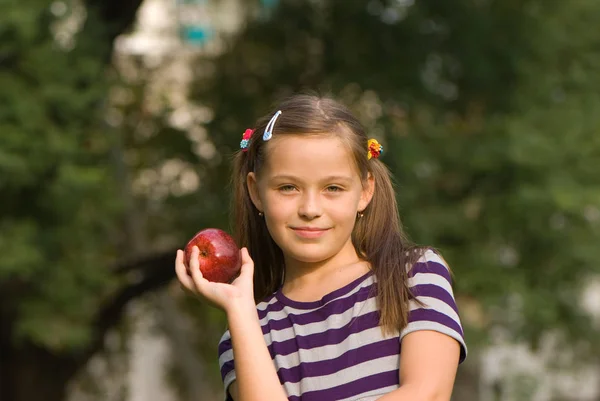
[226, 363]
[431, 284]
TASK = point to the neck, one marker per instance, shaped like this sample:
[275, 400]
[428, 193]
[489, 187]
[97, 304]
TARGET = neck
[299, 273]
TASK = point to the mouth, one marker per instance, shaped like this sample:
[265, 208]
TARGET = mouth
[309, 232]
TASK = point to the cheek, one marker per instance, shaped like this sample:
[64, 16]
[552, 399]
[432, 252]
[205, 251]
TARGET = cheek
[278, 207]
[344, 211]
[350, 218]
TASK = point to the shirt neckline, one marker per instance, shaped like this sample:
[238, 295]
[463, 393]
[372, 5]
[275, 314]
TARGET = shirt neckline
[326, 298]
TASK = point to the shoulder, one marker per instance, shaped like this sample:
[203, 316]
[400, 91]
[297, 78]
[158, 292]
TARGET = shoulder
[430, 266]
[430, 276]
[264, 304]
[433, 306]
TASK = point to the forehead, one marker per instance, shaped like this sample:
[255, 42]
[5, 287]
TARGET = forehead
[309, 156]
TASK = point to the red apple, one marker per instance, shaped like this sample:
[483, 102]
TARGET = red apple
[219, 256]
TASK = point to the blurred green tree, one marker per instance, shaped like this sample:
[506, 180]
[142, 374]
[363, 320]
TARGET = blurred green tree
[488, 114]
[60, 215]
[487, 111]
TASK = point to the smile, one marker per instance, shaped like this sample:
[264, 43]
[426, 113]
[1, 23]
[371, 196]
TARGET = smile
[309, 232]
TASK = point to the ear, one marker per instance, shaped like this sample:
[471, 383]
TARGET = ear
[367, 193]
[252, 184]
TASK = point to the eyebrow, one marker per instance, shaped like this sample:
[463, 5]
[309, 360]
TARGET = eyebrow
[285, 177]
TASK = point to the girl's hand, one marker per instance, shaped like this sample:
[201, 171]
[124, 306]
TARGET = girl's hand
[223, 296]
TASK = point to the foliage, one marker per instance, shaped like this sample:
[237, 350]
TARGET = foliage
[487, 111]
[487, 114]
[58, 191]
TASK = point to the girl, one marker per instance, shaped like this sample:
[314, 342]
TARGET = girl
[332, 302]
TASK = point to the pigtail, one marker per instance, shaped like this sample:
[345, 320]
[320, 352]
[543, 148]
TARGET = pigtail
[379, 238]
[239, 201]
[249, 229]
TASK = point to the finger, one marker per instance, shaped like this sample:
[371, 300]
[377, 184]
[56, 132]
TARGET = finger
[247, 269]
[199, 282]
[181, 271]
[194, 262]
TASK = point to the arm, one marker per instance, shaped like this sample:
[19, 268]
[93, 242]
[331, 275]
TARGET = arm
[256, 378]
[428, 365]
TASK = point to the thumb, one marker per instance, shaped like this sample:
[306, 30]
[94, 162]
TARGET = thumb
[247, 269]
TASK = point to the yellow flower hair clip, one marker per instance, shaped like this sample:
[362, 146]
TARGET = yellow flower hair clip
[374, 149]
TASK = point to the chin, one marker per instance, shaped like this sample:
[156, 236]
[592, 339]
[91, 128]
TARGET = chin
[306, 255]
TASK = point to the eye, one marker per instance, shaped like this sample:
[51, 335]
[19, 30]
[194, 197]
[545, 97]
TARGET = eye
[334, 188]
[286, 188]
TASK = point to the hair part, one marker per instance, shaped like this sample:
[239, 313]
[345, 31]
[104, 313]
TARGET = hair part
[378, 236]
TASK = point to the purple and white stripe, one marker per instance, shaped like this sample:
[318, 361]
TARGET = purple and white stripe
[334, 349]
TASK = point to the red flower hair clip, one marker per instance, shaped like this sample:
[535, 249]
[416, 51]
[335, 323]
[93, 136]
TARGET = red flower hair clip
[374, 149]
[246, 139]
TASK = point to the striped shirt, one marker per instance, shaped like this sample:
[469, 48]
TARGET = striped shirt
[334, 349]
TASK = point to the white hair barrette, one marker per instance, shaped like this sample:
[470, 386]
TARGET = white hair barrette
[269, 129]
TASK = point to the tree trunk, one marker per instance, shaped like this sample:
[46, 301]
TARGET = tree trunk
[30, 373]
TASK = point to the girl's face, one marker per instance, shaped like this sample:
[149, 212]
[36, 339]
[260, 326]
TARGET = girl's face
[310, 191]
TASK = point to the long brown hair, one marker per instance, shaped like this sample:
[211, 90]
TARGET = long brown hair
[377, 236]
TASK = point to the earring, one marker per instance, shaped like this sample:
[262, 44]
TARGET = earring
[359, 214]
[260, 214]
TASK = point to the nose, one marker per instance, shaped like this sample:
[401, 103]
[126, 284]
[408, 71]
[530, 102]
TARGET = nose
[310, 205]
